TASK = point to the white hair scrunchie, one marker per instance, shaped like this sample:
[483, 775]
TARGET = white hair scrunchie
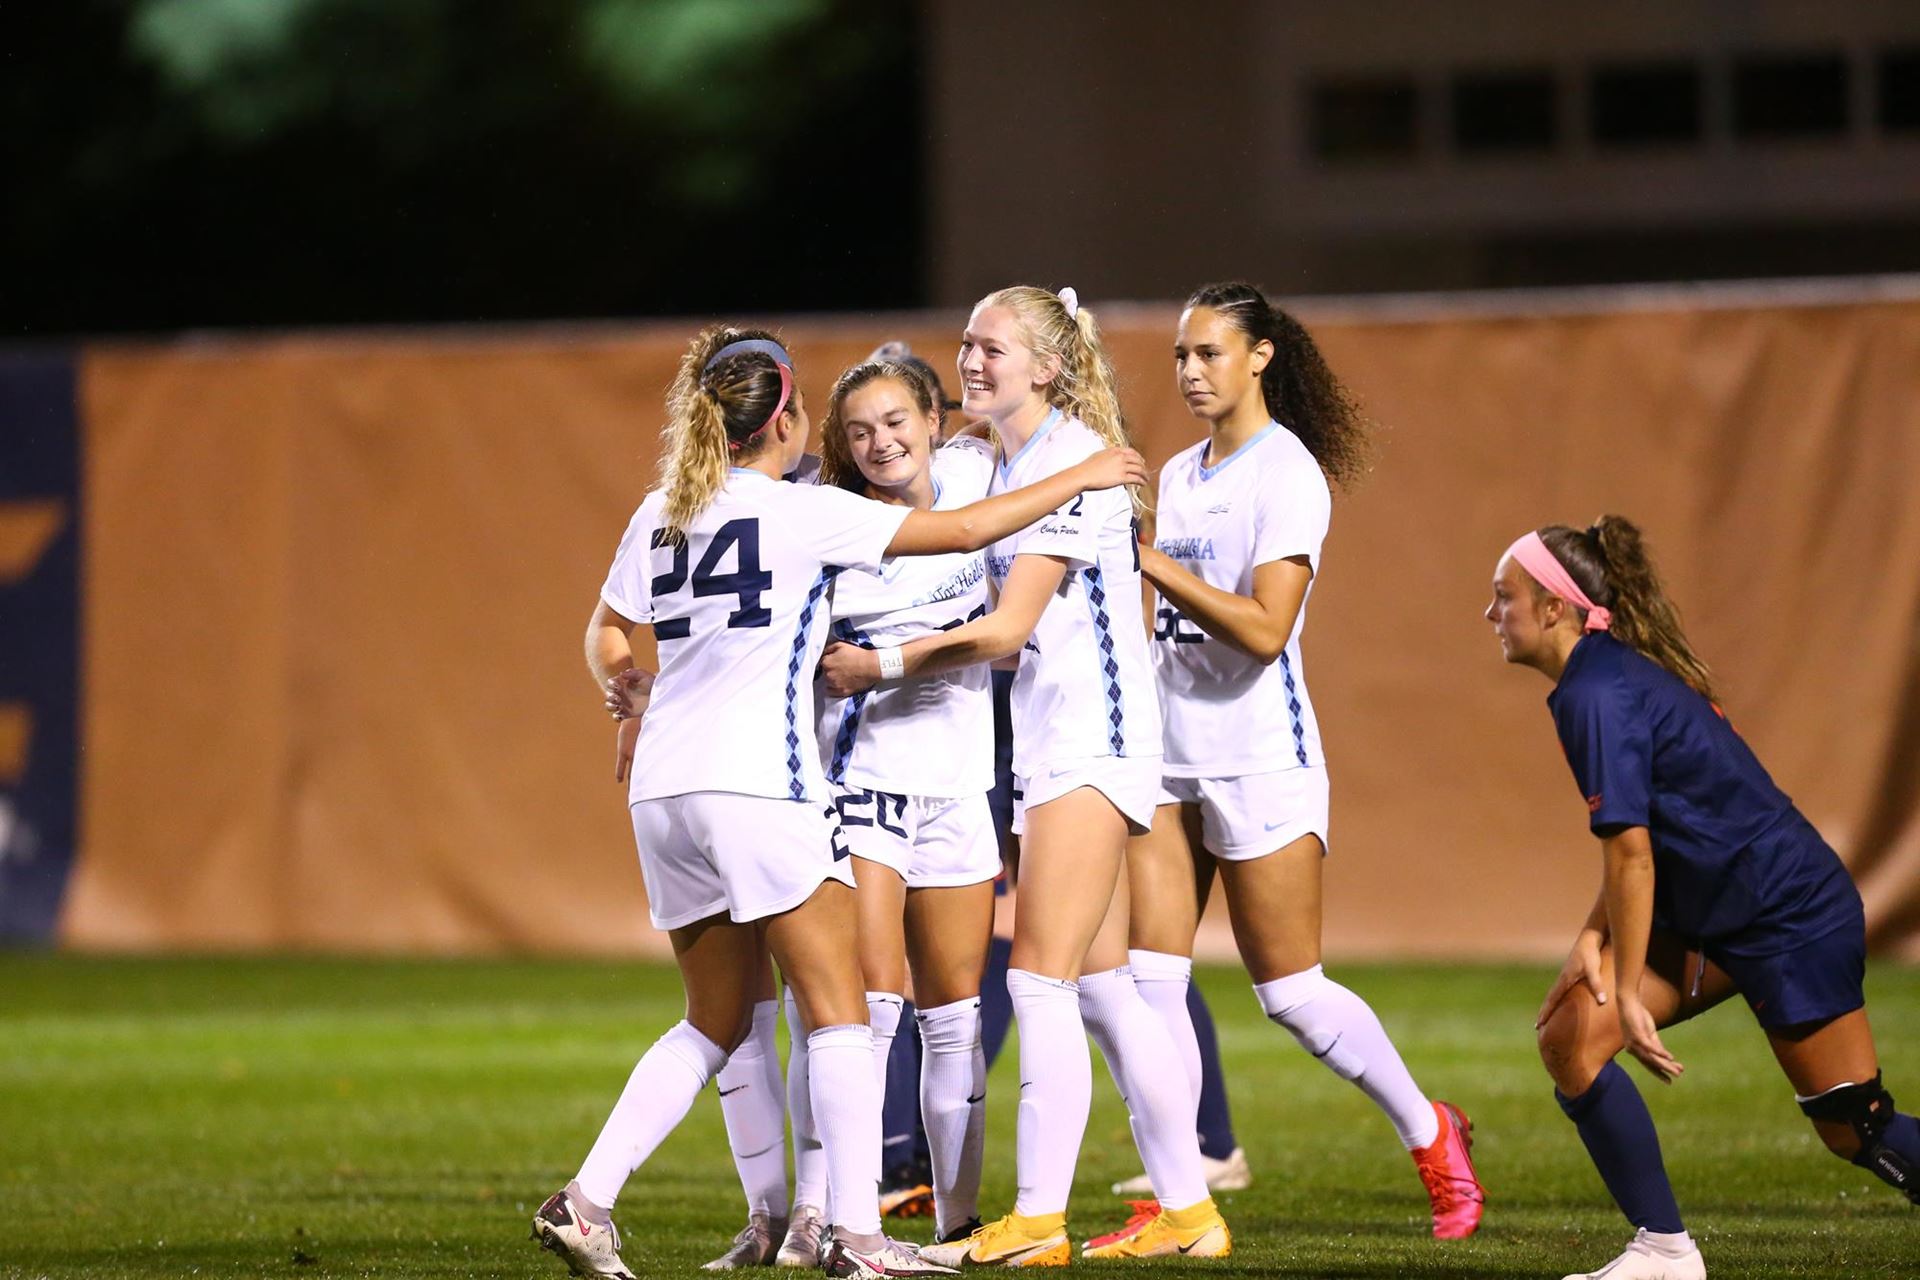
[1071, 301]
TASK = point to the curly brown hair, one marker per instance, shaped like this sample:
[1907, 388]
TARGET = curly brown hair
[1300, 390]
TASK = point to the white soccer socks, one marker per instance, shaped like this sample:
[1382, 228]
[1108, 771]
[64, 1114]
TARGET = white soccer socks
[1160, 1102]
[753, 1101]
[809, 1161]
[953, 1106]
[1056, 1090]
[847, 1113]
[883, 1015]
[658, 1095]
[1162, 980]
[1337, 1027]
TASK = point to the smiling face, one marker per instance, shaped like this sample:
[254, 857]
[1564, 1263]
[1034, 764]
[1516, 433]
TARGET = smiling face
[999, 374]
[888, 437]
[1215, 367]
[1521, 613]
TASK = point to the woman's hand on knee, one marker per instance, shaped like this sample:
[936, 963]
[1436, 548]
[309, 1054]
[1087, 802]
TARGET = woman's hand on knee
[1582, 969]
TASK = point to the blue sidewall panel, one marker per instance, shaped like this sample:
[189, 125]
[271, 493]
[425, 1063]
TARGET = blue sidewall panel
[40, 645]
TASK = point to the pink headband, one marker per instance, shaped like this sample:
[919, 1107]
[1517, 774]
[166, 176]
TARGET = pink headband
[1547, 570]
[786, 390]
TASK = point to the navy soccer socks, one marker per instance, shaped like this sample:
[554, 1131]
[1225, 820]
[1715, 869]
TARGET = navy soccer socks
[1618, 1132]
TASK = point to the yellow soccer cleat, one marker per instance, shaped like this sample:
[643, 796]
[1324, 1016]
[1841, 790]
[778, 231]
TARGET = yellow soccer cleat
[1012, 1241]
[1197, 1231]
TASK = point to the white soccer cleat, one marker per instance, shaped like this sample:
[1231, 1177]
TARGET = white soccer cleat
[1231, 1174]
[587, 1248]
[1642, 1261]
[754, 1246]
[892, 1258]
[806, 1231]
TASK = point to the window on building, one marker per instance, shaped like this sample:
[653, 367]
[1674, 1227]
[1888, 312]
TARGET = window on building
[1789, 96]
[1361, 119]
[1504, 111]
[1644, 103]
[1900, 90]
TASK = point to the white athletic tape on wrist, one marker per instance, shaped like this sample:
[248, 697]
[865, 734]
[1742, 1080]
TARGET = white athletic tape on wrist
[892, 665]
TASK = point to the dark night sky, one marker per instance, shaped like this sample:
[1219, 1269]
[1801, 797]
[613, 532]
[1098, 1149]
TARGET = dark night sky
[186, 163]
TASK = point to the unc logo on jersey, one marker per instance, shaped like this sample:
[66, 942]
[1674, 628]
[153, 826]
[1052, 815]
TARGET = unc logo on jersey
[1187, 548]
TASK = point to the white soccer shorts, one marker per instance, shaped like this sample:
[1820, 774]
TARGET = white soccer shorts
[1131, 782]
[750, 856]
[1257, 813]
[930, 842]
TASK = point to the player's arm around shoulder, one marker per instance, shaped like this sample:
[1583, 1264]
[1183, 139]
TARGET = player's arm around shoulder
[1030, 585]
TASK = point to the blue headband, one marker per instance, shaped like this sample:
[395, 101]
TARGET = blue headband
[765, 346]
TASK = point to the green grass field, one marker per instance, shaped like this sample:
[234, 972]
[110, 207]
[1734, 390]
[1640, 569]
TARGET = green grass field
[320, 1118]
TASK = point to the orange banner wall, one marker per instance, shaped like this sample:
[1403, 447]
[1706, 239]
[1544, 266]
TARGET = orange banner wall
[335, 590]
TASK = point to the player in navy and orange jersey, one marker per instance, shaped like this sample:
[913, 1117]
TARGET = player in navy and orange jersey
[739, 843]
[1713, 884]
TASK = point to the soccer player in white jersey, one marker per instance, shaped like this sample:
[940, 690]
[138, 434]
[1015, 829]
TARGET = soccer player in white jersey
[1240, 521]
[1086, 774]
[911, 763]
[739, 843]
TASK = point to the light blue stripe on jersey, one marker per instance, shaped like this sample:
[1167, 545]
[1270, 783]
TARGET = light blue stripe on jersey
[1052, 420]
[796, 778]
[1109, 665]
[849, 714]
[1293, 709]
[1209, 472]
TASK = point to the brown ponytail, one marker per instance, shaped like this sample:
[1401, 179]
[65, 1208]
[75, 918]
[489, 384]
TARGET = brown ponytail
[1610, 562]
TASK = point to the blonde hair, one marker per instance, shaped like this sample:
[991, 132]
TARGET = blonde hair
[1084, 387]
[837, 466]
[1609, 560]
[715, 418]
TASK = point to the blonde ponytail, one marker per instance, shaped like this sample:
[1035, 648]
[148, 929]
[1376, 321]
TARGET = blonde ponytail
[1085, 386]
[716, 413]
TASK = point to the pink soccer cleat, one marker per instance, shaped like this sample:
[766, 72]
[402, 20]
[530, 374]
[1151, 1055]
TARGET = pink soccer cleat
[1446, 1166]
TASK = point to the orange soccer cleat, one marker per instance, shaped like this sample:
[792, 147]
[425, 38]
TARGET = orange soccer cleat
[1446, 1167]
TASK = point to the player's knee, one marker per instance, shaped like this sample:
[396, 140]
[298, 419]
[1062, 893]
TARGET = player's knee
[727, 1024]
[1566, 1055]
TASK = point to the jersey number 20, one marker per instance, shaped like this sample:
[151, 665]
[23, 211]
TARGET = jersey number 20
[746, 581]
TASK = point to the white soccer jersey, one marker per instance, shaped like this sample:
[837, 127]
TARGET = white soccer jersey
[738, 611]
[931, 736]
[1085, 683]
[1226, 713]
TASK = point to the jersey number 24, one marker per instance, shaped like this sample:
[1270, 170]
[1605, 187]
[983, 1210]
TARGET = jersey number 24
[746, 581]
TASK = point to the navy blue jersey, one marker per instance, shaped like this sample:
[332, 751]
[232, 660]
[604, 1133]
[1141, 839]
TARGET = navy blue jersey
[1734, 862]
